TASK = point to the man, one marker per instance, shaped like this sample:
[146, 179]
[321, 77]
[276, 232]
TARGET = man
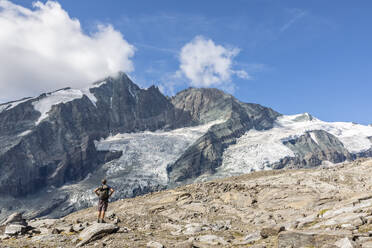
[104, 192]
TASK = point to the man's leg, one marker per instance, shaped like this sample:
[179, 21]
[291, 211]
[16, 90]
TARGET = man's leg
[103, 215]
[100, 209]
[104, 208]
[99, 216]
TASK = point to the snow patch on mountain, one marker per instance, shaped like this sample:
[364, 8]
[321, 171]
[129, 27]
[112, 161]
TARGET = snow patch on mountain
[45, 104]
[24, 133]
[10, 105]
[313, 137]
[258, 150]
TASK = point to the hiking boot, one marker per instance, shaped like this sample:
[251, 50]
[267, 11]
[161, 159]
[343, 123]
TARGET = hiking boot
[102, 221]
[99, 221]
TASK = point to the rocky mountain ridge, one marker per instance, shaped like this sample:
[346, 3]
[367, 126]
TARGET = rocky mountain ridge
[324, 207]
[56, 148]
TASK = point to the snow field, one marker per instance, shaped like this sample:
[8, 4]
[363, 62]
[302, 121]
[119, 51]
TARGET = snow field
[258, 150]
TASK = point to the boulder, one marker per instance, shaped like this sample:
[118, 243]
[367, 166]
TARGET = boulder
[345, 243]
[252, 237]
[367, 244]
[211, 240]
[15, 218]
[193, 228]
[43, 223]
[184, 244]
[78, 227]
[96, 231]
[15, 229]
[154, 244]
[271, 231]
[49, 238]
[4, 237]
[66, 228]
[309, 239]
[354, 219]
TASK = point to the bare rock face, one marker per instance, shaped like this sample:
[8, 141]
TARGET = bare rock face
[205, 105]
[310, 153]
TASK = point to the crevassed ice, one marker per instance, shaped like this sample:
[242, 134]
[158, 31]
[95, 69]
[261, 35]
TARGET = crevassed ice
[147, 154]
[257, 150]
[45, 104]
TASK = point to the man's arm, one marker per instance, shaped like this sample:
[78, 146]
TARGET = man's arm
[96, 191]
[111, 191]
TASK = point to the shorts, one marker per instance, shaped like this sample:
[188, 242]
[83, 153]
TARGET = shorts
[102, 205]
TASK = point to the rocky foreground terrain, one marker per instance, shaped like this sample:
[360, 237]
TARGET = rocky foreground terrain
[323, 207]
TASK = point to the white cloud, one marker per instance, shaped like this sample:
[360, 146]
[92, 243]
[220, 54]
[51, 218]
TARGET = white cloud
[44, 49]
[206, 64]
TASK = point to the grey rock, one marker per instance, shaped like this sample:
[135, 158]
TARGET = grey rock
[367, 244]
[123, 230]
[78, 227]
[154, 244]
[15, 218]
[66, 228]
[49, 238]
[15, 229]
[4, 237]
[43, 223]
[271, 231]
[96, 231]
[252, 237]
[116, 220]
[193, 228]
[345, 243]
[184, 244]
[211, 240]
[309, 239]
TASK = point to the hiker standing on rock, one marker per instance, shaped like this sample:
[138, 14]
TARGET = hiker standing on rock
[103, 192]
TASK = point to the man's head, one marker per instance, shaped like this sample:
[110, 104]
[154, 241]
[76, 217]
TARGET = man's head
[104, 181]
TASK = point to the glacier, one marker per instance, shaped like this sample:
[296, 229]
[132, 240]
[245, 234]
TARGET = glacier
[258, 150]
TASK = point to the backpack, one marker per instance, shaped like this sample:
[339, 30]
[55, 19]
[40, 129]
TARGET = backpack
[104, 192]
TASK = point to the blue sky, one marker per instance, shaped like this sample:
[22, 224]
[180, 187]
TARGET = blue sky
[301, 56]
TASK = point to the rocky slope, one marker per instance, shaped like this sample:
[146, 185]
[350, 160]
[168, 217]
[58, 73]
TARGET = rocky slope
[323, 207]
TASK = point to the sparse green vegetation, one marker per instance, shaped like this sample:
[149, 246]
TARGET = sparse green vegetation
[322, 212]
[365, 228]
